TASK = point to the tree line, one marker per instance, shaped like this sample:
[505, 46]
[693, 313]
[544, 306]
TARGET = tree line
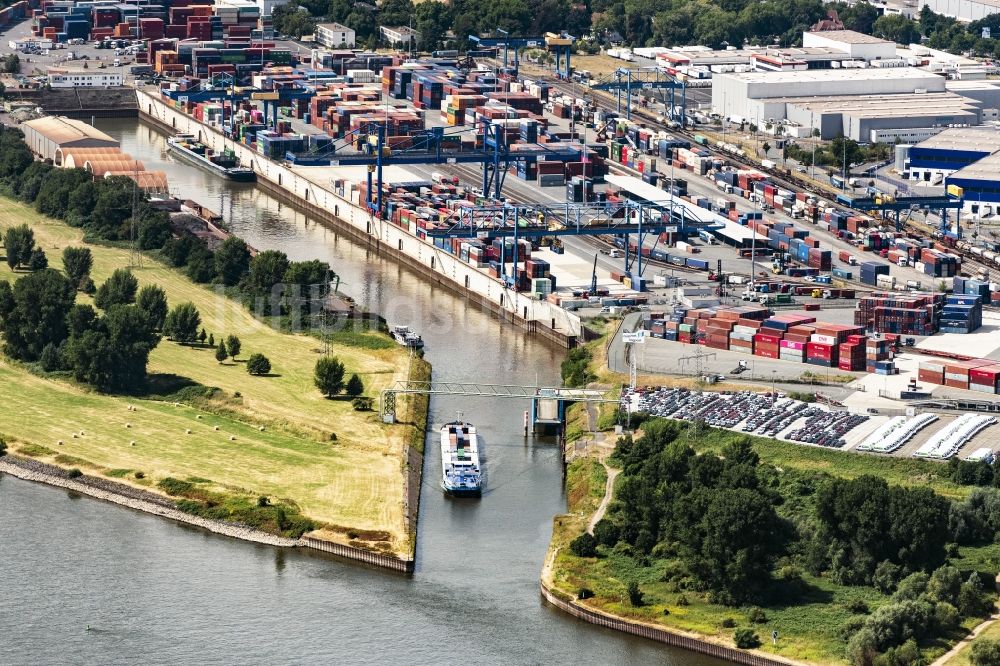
[715, 23]
[109, 346]
[742, 532]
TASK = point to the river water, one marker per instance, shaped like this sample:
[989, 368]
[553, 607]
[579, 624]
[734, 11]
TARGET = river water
[152, 591]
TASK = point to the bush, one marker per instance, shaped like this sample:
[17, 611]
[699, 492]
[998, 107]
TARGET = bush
[87, 286]
[49, 359]
[756, 615]
[746, 638]
[355, 386]
[683, 601]
[857, 606]
[606, 532]
[258, 364]
[985, 652]
[634, 594]
[3, 447]
[946, 616]
[73, 473]
[728, 623]
[362, 404]
[175, 487]
[584, 545]
[140, 475]
[886, 577]
[575, 368]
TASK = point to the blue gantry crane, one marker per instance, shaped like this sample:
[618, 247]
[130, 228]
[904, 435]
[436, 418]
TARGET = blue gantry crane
[505, 41]
[367, 146]
[887, 206]
[646, 78]
[531, 220]
[561, 44]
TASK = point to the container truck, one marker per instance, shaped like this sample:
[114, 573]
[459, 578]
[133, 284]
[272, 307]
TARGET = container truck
[848, 258]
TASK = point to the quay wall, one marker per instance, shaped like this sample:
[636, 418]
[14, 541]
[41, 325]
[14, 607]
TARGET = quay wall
[659, 634]
[319, 199]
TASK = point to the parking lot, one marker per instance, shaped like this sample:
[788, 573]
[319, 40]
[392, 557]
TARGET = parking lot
[767, 415]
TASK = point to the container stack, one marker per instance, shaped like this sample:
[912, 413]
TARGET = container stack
[903, 314]
[961, 314]
[877, 350]
[870, 270]
[851, 354]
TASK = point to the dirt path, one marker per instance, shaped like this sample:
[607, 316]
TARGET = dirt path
[947, 656]
[602, 448]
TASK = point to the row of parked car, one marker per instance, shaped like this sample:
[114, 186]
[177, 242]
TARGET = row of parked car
[762, 414]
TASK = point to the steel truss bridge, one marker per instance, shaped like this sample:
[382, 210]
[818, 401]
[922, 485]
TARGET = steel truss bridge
[536, 394]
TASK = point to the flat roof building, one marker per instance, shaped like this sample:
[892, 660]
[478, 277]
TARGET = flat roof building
[334, 35]
[851, 43]
[964, 10]
[400, 36]
[968, 157]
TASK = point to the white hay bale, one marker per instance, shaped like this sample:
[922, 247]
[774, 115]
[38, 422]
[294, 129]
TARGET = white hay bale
[261, 428]
[215, 428]
[59, 442]
[132, 443]
[232, 438]
[188, 431]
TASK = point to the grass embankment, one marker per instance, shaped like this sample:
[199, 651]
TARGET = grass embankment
[812, 628]
[339, 467]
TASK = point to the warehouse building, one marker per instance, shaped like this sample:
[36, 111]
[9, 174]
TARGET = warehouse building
[966, 157]
[73, 144]
[855, 45]
[949, 151]
[879, 118]
[980, 183]
[875, 104]
[47, 135]
[964, 10]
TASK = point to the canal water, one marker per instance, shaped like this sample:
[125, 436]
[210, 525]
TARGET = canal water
[82, 581]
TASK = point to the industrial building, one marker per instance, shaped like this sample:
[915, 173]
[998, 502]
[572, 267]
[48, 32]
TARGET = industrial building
[967, 157]
[46, 136]
[73, 144]
[855, 45]
[334, 35]
[849, 102]
[964, 10]
[60, 77]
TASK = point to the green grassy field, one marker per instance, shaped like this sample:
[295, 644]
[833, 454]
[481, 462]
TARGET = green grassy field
[355, 481]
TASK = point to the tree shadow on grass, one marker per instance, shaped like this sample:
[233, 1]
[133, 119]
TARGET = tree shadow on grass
[784, 594]
[161, 385]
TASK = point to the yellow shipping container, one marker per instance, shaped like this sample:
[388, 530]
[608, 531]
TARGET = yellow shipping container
[955, 191]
